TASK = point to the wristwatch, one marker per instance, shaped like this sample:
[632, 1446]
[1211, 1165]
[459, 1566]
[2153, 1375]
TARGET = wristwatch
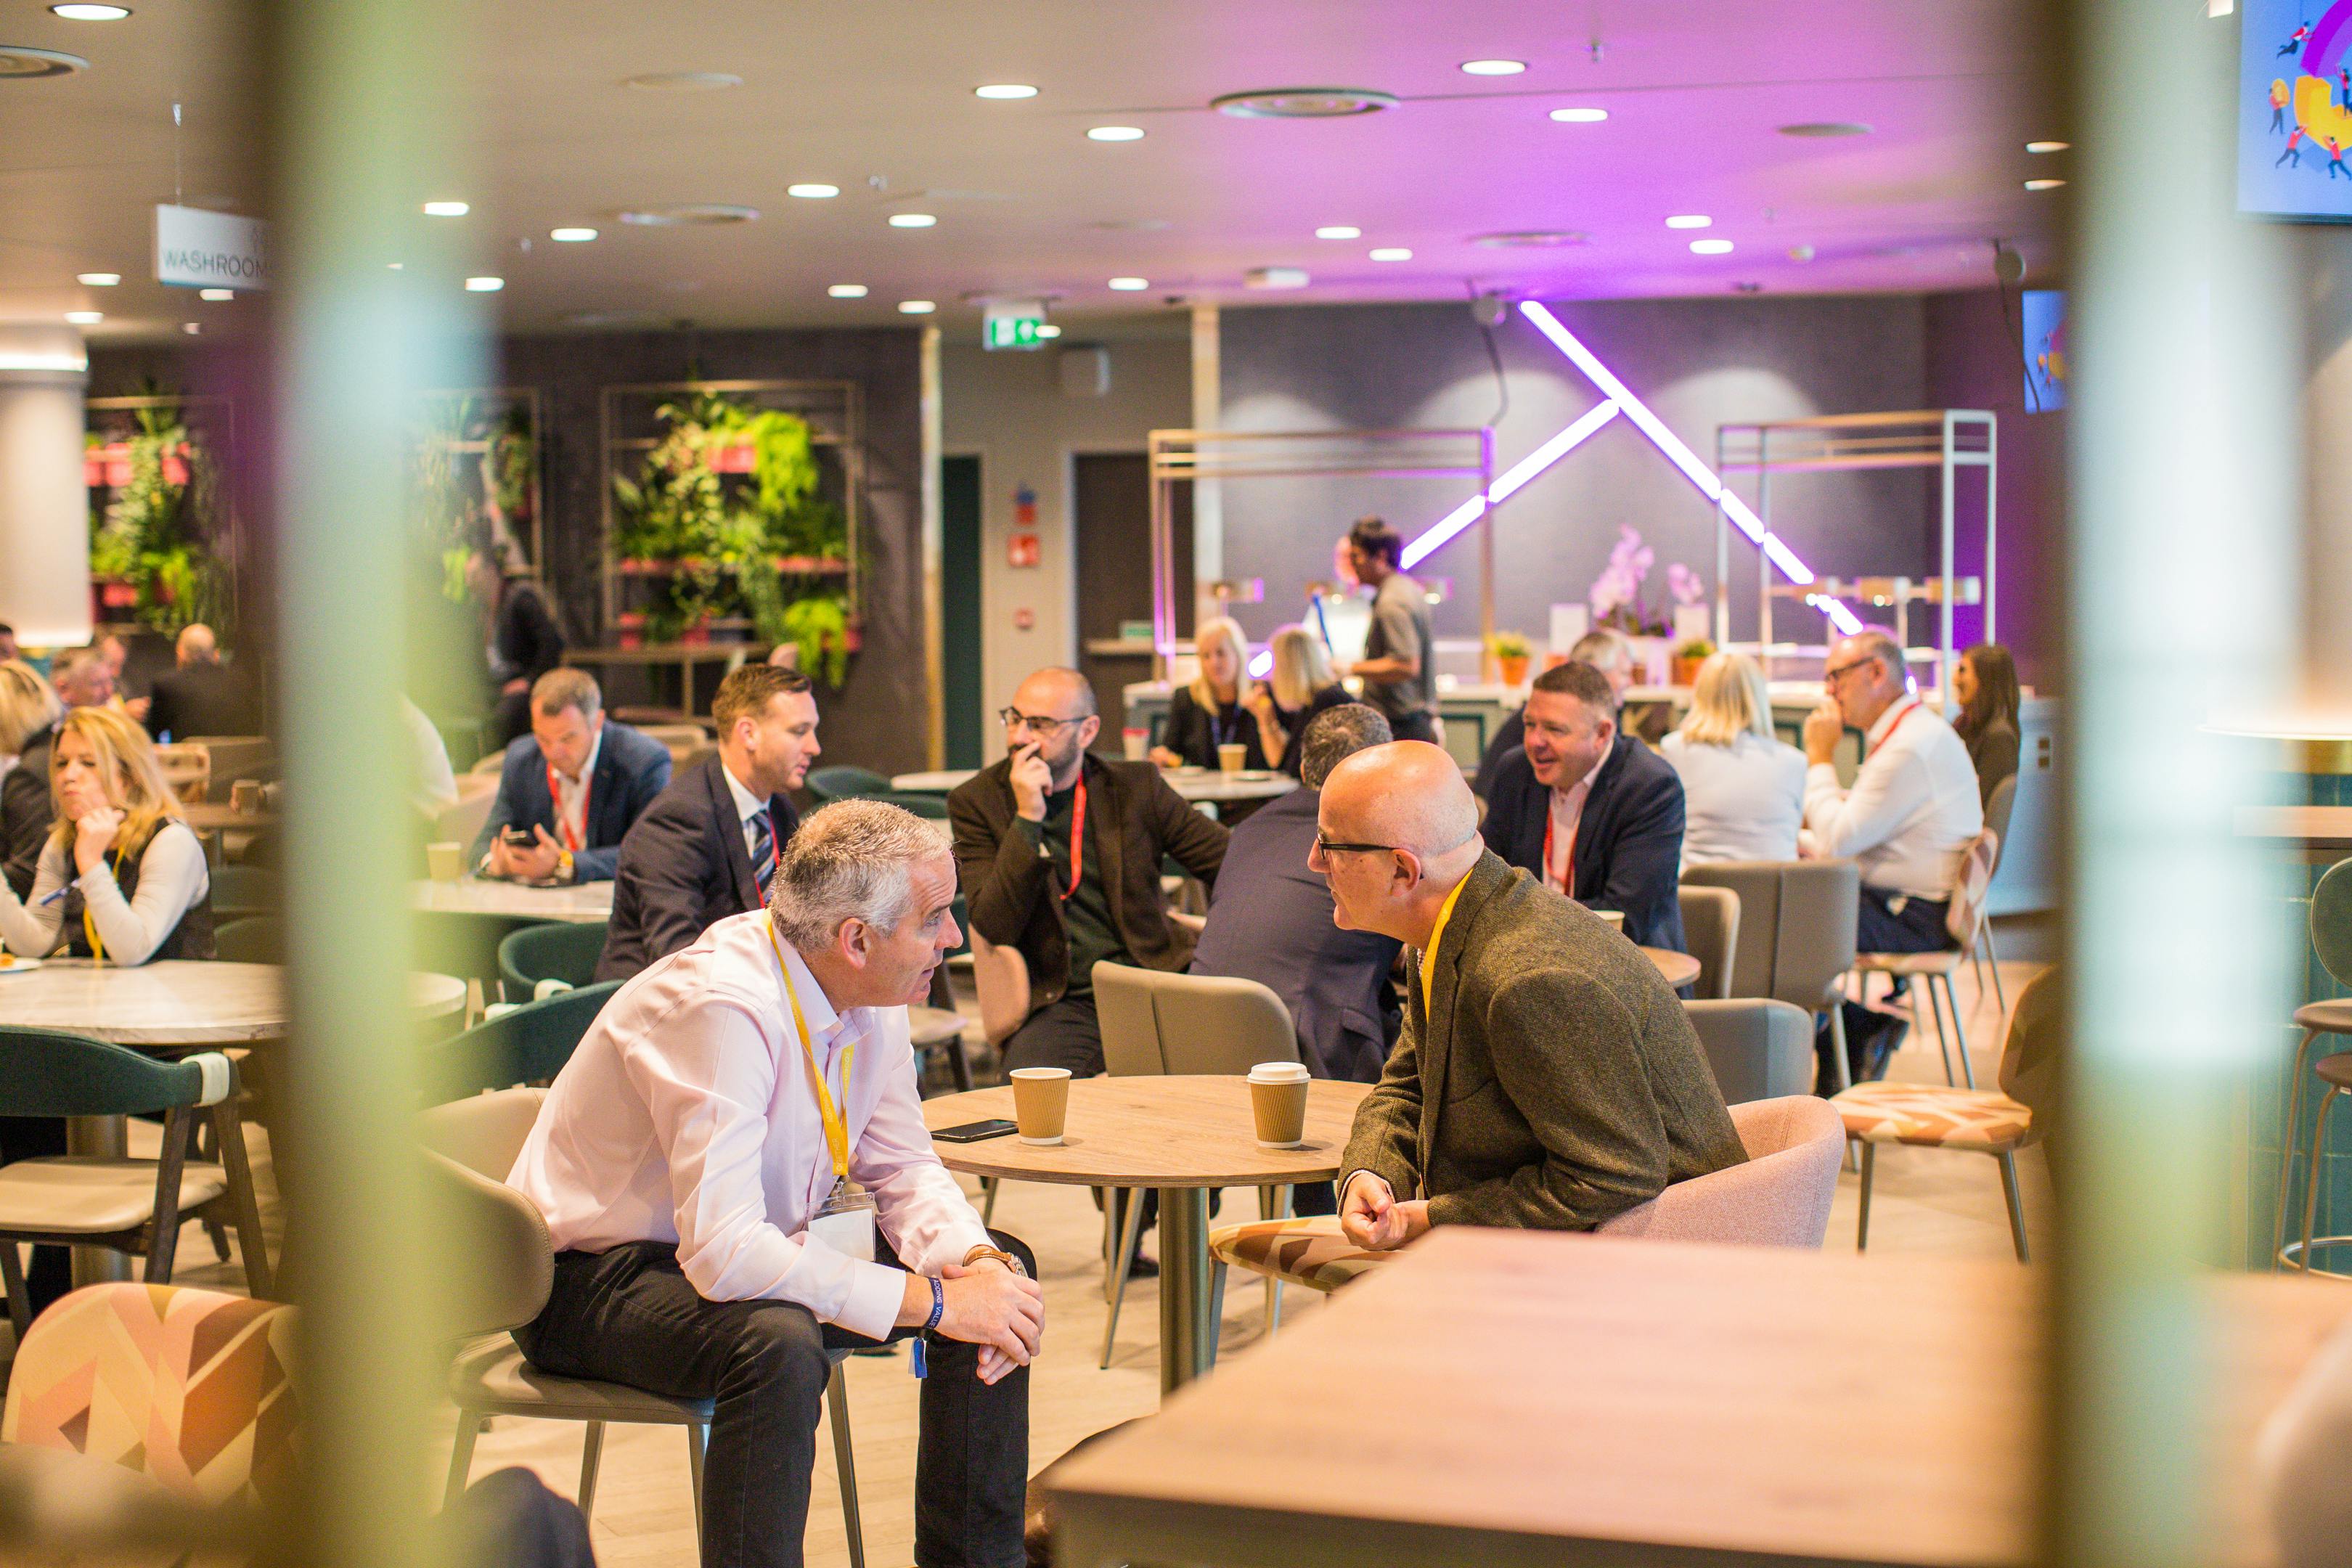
[999, 1254]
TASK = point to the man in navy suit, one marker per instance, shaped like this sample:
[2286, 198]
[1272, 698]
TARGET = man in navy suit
[1592, 813]
[708, 847]
[576, 783]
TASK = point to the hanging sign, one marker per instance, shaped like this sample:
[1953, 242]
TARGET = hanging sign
[1012, 324]
[196, 248]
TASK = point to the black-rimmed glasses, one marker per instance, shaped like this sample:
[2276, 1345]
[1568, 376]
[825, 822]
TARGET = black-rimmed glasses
[1014, 719]
[1326, 847]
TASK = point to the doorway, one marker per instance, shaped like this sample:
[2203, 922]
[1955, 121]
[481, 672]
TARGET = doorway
[961, 672]
[1110, 511]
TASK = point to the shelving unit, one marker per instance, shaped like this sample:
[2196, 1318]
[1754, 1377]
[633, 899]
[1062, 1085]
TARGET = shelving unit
[210, 423]
[493, 407]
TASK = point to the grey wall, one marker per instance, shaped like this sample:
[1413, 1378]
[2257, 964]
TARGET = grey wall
[1698, 363]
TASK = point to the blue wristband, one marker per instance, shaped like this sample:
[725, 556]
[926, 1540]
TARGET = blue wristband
[917, 1363]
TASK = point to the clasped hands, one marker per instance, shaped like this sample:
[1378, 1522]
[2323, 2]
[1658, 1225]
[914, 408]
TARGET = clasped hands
[1371, 1216]
[987, 1305]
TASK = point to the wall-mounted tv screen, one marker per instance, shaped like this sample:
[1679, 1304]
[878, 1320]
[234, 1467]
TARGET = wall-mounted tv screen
[2043, 313]
[2295, 108]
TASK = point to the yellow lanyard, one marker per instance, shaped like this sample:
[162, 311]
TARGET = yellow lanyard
[836, 1127]
[1436, 936]
[89, 926]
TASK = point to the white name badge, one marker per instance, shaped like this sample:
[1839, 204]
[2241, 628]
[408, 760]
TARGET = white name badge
[845, 1224]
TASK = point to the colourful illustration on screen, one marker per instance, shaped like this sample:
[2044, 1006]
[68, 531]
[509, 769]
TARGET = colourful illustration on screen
[2294, 91]
[2043, 313]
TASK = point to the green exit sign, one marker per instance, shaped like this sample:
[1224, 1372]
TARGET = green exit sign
[1013, 324]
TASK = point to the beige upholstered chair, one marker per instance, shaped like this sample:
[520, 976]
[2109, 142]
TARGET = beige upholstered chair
[471, 1144]
[1000, 976]
[1796, 932]
[1760, 1049]
[1711, 935]
[1934, 971]
[1157, 1024]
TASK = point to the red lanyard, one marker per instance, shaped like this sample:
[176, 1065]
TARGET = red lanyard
[1078, 840]
[1568, 872]
[1910, 708]
[571, 839]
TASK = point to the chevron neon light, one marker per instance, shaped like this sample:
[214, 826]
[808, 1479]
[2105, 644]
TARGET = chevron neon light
[1510, 480]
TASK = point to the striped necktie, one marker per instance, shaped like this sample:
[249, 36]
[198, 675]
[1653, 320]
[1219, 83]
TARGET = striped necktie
[764, 850]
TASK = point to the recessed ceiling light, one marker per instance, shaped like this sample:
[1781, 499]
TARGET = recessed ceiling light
[1115, 133]
[193, 329]
[217, 295]
[77, 13]
[912, 220]
[2038, 147]
[1005, 89]
[394, 266]
[1303, 102]
[1493, 67]
[1801, 253]
[1391, 253]
[685, 81]
[484, 285]
[97, 280]
[1530, 238]
[1690, 220]
[1338, 231]
[688, 215]
[85, 318]
[571, 236]
[915, 307]
[1580, 116]
[1274, 277]
[1131, 285]
[1048, 329]
[446, 209]
[1819, 128]
[813, 191]
[2043, 184]
[1710, 247]
[847, 290]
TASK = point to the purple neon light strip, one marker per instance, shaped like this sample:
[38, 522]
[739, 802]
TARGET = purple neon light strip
[1509, 481]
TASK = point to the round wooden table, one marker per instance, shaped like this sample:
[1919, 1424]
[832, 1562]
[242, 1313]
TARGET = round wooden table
[1180, 1135]
[1679, 968]
[582, 903]
[176, 1003]
[1193, 783]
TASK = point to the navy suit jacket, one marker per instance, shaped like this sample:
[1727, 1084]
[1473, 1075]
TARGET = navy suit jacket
[683, 868]
[1629, 841]
[630, 771]
[1270, 920]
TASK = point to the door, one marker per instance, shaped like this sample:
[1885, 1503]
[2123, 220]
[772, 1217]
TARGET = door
[960, 494]
[1110, 496]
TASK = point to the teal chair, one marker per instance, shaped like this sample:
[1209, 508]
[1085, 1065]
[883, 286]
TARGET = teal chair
[529, 1045]
[930, 807]
[125, 1204]
[461, 942]
[565, 951]
[256, 939]
[238, 891]
[846, 783]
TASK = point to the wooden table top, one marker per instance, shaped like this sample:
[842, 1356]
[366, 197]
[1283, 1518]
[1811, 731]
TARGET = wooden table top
[1153, 1133]
[176, 1001]
[1679, 968]
[215, 817]
[2330, 824]
[581, 903]
[1192, 784]
[1511, 1392]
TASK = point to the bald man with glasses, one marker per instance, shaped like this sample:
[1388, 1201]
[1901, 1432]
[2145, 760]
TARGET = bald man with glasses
[1058, 852]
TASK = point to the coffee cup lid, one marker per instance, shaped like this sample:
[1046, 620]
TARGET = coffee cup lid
[1039, 1072]
[1279, 1072]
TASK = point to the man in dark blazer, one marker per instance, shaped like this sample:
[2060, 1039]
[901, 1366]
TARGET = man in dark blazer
[1547, 1077]
[202, 696]
[708, 847]
[1589, 812]
[1067, 906]
[1270, 919]
[576, 783]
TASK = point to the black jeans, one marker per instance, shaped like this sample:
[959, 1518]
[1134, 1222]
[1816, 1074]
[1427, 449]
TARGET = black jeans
[1063, 1034]
[1916, 927]
[630, 1316]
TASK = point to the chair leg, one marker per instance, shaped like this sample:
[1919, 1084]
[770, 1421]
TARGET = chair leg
[844, 1462]
[20, 1305]
[988, 1185]
[1936, 1008]
[163, 1233]
[1837, 1046]
[1130, 1234]
[2290, 1134]
[592, 1457]
[2310, 1180]
[461, 1455]
[1274, 1202]
[244, 1205]
[1992, 956]
[1217, 1308]
[1862, 1224]
[1960, 1031]
[697, 1444]
[2016, 1207]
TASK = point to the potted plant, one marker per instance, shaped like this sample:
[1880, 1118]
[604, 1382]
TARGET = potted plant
[1688, 658]
[1511, 655]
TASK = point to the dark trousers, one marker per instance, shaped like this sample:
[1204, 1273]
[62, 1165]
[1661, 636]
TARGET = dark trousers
[630, 1316]
[1063, 1034]
[38, 1138]
[1871, 1035]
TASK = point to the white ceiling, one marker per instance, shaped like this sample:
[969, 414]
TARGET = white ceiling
[875, 96]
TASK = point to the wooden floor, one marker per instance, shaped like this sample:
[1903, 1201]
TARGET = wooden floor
[1925, 1201]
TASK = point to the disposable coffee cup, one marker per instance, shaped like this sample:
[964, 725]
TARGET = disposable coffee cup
[1230, 758]
[245, 797]
[1041, 1102]
[1137, 743]
[1616, 918]
[1278, 1104]
[445, 862]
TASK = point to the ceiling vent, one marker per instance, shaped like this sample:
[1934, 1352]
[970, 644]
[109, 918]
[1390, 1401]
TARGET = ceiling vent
[685, 214]
[1274, 277]
[1303, 102]
[20, 63]
[1531, 240]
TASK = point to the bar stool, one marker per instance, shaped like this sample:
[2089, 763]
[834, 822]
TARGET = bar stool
[2331, 942]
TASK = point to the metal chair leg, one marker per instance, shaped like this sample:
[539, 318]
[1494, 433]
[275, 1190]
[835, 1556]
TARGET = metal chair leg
[2290, 1134]
[2311, 1181]
[1216, 1307]
[698, 1445]
[2016, 1207]
[1992, 956]
[592, 1458]
[1130, 1232]
[988, 1188]
[1960, 1031]
[1936, 1008]
[836, 1405]
[461, 1454]
[1861, 1225]
[1845, 1069]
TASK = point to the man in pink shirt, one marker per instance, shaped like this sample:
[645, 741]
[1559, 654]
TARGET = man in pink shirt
[715, 1161]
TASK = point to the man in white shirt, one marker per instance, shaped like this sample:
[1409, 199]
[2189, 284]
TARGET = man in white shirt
[713, 1163]
[1909, 818]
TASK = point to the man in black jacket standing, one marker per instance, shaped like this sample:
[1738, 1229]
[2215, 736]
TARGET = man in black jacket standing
[202, 696]
[1594, 814]
[1058, 852]
[523, 641]
[708, 846]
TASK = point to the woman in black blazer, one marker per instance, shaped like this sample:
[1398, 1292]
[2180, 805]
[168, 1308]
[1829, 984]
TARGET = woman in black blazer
[1209, 712]
[1302, 685]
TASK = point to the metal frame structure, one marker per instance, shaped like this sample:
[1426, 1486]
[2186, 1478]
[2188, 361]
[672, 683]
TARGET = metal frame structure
[1197, 455]
[207, 406]
[1947, 439]
[528, 397]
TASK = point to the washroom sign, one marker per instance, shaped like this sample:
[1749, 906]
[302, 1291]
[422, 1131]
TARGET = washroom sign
[198, 249]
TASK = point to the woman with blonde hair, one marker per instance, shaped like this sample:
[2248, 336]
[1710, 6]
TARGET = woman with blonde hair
[28, 711]
[1743, 787]
[1302, 685]
[1208, 712]
[122, 877]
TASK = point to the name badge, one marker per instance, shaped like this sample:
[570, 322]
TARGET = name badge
[846, 1222]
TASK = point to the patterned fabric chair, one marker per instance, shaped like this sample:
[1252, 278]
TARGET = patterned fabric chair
[191, 1388]
[1965, 922]
[1998, 1123]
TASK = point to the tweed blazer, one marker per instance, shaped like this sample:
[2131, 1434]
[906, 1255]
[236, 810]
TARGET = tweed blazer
[1554, 1080]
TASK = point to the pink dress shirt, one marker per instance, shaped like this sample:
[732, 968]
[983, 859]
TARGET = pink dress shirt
[686, 1116]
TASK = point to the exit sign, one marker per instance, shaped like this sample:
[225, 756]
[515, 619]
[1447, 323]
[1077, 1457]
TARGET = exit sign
[1012, 324]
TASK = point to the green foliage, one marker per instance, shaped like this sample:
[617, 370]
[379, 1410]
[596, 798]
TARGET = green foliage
[1511, 645]
[461, 501]
[156, 531]
[1697, 647]
[820, 625]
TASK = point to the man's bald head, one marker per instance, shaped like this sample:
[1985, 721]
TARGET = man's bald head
[1057, 693]
[1864, 676]
[1063, 701]
[196, 645]
[1407, 793]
